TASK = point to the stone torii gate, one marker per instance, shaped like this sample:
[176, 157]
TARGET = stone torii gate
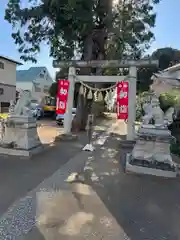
[132, 79]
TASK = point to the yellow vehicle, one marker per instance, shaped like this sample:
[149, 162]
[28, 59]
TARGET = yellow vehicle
[49, 106]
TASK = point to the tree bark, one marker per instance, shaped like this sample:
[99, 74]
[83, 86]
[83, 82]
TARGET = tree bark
[94, 49]
[79, 122]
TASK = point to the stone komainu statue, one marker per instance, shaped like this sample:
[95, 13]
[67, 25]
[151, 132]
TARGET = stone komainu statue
[154, 112]
[23, 104]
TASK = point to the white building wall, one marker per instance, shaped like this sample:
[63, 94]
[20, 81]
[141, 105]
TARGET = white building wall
[39, 89]
[24, 86]
[41, 86]
[8, 74]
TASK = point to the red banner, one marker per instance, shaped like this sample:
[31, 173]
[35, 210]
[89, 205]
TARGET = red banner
[122, 100]
[62, 96]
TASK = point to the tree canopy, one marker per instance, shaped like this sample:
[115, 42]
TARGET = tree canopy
[94, 28]
[62, 74]
[166, 56]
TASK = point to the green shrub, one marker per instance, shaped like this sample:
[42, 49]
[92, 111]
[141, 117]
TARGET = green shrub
[139, 108]
[167, 100]
[175, 148]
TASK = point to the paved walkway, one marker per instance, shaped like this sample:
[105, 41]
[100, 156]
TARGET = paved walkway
[19, 176]
[109, 205]
[48, 130]
[20, 217]
[123, 207]
[145, 207]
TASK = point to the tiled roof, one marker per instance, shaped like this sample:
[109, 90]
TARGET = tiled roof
[29, 75]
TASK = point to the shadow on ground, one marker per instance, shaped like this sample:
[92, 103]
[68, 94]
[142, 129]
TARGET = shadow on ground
[145, 207]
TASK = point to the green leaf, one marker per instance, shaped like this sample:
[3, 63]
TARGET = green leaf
[67, 24]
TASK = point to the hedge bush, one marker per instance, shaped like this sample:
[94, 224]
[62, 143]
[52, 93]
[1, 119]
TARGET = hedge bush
[139, 108]
[168, 100]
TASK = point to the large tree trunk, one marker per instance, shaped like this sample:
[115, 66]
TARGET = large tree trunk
[99, 37]
[94, 49]
[79, 122]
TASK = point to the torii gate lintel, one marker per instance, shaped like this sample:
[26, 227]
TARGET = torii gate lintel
[106, 63]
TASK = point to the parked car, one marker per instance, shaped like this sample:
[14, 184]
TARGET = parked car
[60, 117]
[37, 110]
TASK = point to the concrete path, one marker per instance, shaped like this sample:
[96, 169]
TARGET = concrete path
[20, 217]
[111, 204]
[19, 176]
[145, 207]
[48, 130]
[108, 205]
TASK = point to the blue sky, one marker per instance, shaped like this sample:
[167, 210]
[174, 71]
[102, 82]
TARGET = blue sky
[167, 33]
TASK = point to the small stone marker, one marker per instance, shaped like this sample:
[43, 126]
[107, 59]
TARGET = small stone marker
[89, 128]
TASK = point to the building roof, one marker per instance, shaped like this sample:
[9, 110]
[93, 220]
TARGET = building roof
[167, 76]
[174, 68]
[10, 60]
[29, 75]
[165, 73]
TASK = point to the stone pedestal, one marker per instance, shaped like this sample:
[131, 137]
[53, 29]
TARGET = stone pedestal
[20, 136]
[151, 153]
[21, 132]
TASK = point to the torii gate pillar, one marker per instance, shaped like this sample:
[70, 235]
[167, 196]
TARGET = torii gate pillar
[70, 100]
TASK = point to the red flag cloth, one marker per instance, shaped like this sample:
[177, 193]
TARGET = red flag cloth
[62, 96]
[122, 100]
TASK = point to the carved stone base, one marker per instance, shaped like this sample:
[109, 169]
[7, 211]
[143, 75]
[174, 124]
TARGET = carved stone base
[152, 151]
[141, 166]
[21, 133]
[153, 130]
[22, 153]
